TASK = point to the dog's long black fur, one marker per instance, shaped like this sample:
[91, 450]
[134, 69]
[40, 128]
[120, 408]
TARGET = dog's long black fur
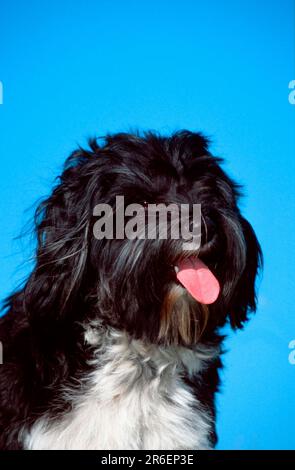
[77, 278]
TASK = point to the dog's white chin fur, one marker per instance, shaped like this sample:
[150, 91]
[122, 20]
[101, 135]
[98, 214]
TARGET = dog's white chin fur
[135, 399]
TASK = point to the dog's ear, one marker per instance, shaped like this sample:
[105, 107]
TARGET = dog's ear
[62, 227]
[244, 299]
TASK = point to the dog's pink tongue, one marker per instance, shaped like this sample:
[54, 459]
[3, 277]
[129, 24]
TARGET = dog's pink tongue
[197, 278]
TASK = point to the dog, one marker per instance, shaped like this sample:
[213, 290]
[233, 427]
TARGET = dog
[109, 343]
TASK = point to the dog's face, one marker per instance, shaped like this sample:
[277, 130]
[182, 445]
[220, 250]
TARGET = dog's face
[131, 283]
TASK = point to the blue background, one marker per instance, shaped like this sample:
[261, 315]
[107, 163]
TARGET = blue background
[76, 69]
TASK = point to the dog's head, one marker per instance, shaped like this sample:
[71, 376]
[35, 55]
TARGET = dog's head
[128, 283]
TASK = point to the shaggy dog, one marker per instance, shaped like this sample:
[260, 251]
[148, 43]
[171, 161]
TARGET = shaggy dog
[104, 347]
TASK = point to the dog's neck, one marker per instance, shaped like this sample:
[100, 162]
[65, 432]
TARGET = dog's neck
[115, 346]
[135, 397]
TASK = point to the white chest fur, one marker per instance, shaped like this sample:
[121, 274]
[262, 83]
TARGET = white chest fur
[134, 399]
